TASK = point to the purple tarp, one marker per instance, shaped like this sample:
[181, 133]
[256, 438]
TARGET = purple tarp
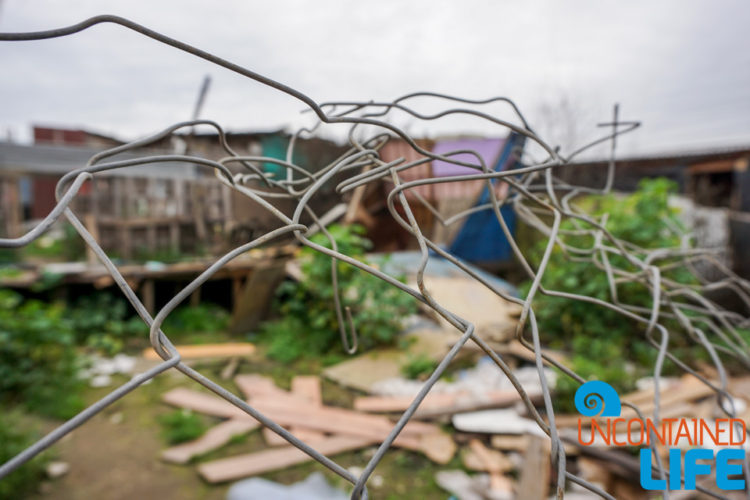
[488, 149]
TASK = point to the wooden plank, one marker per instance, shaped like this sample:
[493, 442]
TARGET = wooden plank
[224, 350]
[202, 403]
[260, 390]
[290, 411]
[535, 473]
[479, 457]
[436, 445]
[386, 404]
[214, 438]
[416, 436]
[229, 370]
[495, 463]
[307, 387]
[251, 464]
[89, 220]
[305, 435]
[438, 404]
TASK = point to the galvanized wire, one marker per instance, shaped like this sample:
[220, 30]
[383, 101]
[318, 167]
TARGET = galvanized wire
[537, 196]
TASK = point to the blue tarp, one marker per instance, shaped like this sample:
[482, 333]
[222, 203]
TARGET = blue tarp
[481, 239]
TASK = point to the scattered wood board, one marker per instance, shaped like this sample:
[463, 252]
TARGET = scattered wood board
[289, 411]
[228, 469]
[436, 404]
[214, 438]
[479, 457]
[306, 388]
[229, 370]
[225, 350]
[520, 442]
[535, 473]
[495, 464]
[201, 402]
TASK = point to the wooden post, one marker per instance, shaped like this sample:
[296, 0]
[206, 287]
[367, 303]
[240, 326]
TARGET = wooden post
[174, 236]
[126, 246]
[534, 483]
[151, 237]
[89, 220]
[195, 297]
[148, 296]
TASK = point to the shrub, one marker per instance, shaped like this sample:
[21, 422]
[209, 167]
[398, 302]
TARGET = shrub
[204, 317]
[13, 440]
[418, 367]
[308, 323]
[601, 341]
[180, 426]
[38, 362]
[103, 322]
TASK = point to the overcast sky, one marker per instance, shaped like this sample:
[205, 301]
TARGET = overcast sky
[682, 67]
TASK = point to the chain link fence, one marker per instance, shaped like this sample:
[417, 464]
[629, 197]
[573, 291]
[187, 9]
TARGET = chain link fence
[537, 196]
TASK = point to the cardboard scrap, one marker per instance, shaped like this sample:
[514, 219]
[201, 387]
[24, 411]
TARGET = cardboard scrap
[493, 316]
[365, 370]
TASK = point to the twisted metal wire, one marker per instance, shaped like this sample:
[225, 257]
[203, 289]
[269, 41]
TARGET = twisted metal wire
[535, 193]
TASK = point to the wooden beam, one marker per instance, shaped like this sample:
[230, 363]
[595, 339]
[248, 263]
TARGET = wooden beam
[225, 350]
[535, 473]
[251, 464]
[214, 438]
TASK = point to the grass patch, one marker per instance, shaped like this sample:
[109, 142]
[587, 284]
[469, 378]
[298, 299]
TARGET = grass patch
[181, 426]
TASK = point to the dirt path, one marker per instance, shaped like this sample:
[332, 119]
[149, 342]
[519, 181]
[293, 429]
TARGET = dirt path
[114, 456]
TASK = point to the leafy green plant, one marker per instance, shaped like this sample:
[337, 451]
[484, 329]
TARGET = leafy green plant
[602, 343]
[418, 367]
[104, 322]
[65, 245]
[308, 325]
[205, 317]
[180, 426]
[38, 361]
[13, 440]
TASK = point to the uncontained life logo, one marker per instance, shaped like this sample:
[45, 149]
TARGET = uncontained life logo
[711, 447]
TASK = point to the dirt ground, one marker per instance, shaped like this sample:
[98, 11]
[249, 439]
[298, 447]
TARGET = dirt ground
[115, 456]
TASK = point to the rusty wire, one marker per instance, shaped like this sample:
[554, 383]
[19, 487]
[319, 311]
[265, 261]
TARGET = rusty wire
[536, 194]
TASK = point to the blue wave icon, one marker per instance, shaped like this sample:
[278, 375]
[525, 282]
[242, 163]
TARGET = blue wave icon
[597, 399]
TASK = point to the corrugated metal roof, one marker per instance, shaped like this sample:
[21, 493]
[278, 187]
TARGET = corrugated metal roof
[682, 155]
[58, 160]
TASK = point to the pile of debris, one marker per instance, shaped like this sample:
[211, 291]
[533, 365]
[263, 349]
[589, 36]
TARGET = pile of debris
[508, 451]
[477, 414]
